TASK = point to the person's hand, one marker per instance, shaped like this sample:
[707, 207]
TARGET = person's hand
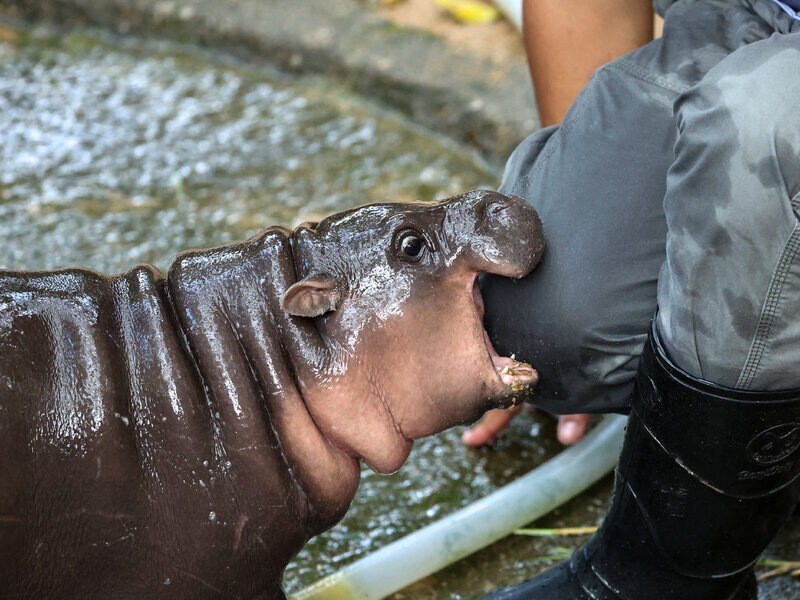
[571, 428]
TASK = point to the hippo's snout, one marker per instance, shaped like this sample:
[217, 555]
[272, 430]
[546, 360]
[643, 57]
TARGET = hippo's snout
[507, 238]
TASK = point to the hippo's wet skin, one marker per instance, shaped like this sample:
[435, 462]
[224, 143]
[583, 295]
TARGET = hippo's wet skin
[183, 436]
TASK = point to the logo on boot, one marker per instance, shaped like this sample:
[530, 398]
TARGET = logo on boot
[774, 444]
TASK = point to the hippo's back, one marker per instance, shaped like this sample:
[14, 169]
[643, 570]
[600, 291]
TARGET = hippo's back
[75, 394]
[119, 473]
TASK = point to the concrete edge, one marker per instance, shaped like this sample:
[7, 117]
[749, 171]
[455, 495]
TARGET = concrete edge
[461, 95]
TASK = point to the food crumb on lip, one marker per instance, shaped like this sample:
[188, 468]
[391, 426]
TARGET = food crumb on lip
[518, 386]
[518, 369]
[518, 376]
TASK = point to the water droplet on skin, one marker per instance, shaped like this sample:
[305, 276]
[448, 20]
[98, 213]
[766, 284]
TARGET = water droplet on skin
[212, 516]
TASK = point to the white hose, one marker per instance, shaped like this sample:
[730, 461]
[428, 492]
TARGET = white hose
[431, 548]
[512, 9]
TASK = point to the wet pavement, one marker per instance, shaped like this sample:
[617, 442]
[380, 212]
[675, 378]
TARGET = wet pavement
[123, 151]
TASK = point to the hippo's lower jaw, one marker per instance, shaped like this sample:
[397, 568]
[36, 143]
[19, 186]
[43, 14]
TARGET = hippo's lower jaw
[512, 376]
[516, 376]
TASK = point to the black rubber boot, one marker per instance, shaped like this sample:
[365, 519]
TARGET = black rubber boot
[706, 478]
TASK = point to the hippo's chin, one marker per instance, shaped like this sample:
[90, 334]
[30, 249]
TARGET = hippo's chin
[391, 460]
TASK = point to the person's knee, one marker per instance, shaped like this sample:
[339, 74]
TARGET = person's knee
[749, 100]
[585, 349]
[527, 319]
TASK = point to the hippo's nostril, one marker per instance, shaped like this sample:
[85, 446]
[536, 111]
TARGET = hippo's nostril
[492, 213]
[480, 215]
[488, 206]
[496, 209]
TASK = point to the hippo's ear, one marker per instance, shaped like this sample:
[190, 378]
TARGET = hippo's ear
[311, 297]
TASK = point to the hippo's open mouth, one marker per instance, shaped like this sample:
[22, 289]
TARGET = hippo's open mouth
[513, 376]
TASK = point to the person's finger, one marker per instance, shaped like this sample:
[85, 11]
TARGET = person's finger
[572, 428]
[486, 430]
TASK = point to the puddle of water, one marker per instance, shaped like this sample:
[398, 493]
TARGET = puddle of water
[127, 152]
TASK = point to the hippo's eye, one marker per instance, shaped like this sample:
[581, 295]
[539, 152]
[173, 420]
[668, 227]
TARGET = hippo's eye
[410, 244]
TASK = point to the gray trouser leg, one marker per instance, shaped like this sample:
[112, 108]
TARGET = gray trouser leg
[581, 318]
[729, 291]
[599, 183]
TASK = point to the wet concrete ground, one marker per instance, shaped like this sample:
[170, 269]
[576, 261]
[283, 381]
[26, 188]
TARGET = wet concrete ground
[129, 151]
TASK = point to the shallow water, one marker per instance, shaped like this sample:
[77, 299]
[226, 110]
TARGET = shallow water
[126, 152]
